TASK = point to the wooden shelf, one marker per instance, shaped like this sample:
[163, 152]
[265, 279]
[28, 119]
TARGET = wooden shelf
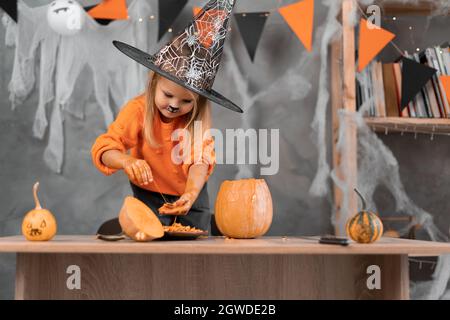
[343, 97]
[423, 7]
[420, 125]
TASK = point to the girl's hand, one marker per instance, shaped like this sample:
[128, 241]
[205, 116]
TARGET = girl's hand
[180, 207]
[138, 171]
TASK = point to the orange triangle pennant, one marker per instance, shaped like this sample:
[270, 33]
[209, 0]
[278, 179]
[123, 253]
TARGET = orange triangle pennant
[300, 17]
[446, 83]
[372, 39]
[196, 10]
[110, 9]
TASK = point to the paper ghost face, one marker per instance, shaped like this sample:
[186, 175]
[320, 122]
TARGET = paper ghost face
[65, 17]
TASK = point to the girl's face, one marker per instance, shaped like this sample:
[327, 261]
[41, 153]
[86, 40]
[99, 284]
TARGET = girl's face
[172, 100]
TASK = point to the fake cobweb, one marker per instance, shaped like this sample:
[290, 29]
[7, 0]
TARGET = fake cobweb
[62, 60]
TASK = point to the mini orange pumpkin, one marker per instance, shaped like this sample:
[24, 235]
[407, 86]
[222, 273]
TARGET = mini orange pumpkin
[38, 224]
[365, 226]
[243, 208]
[138, 221]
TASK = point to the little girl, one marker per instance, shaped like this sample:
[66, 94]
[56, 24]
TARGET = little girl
[177, 96]
[145, 125]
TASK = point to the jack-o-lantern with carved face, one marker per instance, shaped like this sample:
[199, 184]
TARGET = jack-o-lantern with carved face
[39, 224]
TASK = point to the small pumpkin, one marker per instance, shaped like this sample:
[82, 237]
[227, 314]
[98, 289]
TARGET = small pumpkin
[243, 208]
[365, 226]
[138, 221]
[38, 224]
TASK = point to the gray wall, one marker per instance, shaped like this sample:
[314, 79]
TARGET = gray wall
[81, 197]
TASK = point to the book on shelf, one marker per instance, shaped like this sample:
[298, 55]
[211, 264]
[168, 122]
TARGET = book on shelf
[379, 87]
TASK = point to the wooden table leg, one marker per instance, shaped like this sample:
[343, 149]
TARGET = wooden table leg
[163, 276]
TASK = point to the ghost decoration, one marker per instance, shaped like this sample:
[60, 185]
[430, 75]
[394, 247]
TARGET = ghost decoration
[72, 71]
[65, 17]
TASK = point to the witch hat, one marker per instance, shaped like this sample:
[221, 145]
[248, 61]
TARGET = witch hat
[192, 58]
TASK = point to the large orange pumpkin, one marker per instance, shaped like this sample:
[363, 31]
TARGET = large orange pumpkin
[38, 224]
[243, 208]
[365, 226]
[138, 221]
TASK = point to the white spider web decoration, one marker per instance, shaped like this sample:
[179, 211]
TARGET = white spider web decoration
[194, 55]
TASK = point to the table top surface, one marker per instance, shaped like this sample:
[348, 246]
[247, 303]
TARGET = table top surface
[220, 245]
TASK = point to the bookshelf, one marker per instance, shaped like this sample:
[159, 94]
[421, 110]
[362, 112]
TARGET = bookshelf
[409, 125]
[422, 7]
[343, 97]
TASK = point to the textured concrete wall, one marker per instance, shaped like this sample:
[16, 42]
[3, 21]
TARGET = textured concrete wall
[81, 198]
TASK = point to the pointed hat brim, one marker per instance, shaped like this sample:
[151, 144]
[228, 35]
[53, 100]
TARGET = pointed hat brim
[147, 60]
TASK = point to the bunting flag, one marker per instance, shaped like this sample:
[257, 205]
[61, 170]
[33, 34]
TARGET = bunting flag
[10, 7]
[446, 83]
[168, 12]
[300, 17]
[110, 10]
[196, 10]
[372, 39]
[414, 76]
[251, 26]
[103, 22]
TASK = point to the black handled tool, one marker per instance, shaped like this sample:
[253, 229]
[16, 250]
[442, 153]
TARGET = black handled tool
[329, 239]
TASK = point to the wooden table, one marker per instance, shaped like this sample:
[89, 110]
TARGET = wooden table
[213, 268]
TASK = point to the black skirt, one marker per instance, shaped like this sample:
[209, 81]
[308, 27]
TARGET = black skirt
[199, 216]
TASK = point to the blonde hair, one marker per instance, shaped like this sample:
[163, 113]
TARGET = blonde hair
[200, 112]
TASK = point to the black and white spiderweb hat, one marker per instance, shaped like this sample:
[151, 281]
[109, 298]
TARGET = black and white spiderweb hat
[192, 58]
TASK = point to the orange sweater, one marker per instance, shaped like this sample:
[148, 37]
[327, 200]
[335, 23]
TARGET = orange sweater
[126, 133]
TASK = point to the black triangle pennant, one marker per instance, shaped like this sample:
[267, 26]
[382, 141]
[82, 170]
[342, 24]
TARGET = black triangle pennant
[103, 22]
[168, 12]
[251, 26]
[414, 76]
[10, 7]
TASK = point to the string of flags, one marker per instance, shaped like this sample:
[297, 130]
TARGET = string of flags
[415, 75]
[299, 16]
